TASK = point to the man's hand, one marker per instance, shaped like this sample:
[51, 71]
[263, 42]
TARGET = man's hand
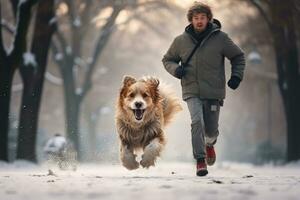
[234, 82]
[180, 72]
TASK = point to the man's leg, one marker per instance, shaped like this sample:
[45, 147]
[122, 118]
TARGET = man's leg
[195, 106]
[211, 111]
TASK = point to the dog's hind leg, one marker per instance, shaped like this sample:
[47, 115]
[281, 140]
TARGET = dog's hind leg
[151, 152]
[128, 158]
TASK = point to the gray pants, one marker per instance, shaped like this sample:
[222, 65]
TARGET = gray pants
[205, 122]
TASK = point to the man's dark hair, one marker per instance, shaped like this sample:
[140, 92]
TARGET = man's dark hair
[199, 7]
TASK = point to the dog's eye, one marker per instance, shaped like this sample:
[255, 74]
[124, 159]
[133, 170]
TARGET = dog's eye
[145, 95]
[131, 95]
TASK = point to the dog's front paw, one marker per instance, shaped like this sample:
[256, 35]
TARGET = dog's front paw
[129, 162]
[131, 165]
[146, 162]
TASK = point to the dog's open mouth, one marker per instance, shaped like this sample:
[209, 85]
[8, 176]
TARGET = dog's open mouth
[138, 113]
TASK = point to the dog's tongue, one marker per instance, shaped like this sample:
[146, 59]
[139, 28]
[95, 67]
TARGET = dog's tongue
[138, 114]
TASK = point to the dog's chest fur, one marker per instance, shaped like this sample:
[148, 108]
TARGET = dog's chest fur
[139, 137]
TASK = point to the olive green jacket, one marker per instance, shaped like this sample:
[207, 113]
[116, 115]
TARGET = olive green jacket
[205, 73]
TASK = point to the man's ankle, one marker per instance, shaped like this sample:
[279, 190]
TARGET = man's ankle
[200, 159]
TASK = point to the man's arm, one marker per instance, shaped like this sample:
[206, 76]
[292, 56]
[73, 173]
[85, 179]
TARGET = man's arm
[171, 59]
[236, 57]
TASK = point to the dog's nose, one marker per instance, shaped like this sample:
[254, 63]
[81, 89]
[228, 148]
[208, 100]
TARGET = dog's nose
[138, 104]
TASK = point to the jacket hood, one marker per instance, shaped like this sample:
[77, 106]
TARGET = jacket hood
[217, 23]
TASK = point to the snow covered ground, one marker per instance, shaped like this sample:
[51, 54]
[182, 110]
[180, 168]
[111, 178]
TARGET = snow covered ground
[165, 181]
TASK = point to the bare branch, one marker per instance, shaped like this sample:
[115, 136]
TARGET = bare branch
[75, 23]
[49, 77]
[8, 27]
[85, 19]
[101, 42]
[150, 3]
[63, 42]
[153, 27]
[72, 14]
[60, 59]
[263, 12]
[162, 5]
[42, 34]
[23, 19]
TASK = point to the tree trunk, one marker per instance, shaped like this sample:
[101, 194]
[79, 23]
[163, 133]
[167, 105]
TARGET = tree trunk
[33, 80]
[72, 120]
[289, 88]
[28, 120]
[72, 103]
[293, 110]
[286, 50]
[6, 78]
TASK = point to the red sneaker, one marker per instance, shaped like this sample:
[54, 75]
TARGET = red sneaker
[201, 168]
[210, 155]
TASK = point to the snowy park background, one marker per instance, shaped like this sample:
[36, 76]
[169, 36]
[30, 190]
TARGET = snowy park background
[61, 66]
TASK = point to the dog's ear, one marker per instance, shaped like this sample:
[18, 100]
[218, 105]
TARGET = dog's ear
[154, 83]
[128, 80]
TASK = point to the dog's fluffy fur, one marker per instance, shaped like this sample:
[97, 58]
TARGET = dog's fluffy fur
[143, 109]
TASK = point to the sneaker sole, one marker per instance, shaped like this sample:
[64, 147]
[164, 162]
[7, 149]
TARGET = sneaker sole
[202, 173]
[211, 161]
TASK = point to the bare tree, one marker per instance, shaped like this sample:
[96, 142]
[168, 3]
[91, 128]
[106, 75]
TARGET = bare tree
[32, 73]
[9, 62]
[281, 18]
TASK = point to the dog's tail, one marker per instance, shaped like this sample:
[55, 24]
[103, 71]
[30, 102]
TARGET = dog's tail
[171, 103]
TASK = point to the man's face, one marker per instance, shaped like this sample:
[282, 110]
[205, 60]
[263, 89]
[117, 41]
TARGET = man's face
[200, 21]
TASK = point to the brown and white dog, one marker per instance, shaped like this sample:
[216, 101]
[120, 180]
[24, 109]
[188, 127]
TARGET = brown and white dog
[143, 109]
